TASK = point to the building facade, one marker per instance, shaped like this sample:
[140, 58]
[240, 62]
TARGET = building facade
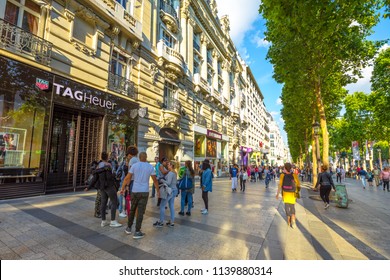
[80, 77]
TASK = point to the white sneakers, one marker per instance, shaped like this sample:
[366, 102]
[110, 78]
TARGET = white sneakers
[326, 205]
[112, 223]
[123, 214]
[205, 212]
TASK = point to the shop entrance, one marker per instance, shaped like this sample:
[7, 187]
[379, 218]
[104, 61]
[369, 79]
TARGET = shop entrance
[167, 150]
[75, 142]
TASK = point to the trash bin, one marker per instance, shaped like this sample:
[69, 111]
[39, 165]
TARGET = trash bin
[341, 196]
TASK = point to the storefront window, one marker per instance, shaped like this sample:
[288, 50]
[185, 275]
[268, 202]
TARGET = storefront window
[119, 137]
[199, 146]
[23, 122]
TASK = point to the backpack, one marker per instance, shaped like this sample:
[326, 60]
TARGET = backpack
[288, 183]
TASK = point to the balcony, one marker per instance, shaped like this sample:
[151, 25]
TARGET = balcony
[243, 139]
[243, 102]
[201, 84]
[266, 128]
[172, 105]
[201, 120]
[121, 85]
[244, 119]
[169, 16]
[21, 42]
[224, 130]
[176, 64]
[118, 13]
[235, 112]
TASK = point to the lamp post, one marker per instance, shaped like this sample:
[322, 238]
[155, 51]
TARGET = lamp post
[380, 157]
[316, 129]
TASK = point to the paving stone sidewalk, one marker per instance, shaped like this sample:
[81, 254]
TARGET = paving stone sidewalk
[242, 225]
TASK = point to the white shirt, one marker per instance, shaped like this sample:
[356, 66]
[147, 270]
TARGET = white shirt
[141, 172]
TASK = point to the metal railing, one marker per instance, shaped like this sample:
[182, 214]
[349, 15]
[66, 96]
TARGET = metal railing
[201, 120]
[20, 41]
[166, 7]
[121, 85]
[173, 105]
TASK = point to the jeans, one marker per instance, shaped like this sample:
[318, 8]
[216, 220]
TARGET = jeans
[385, 184]
[138, 204]
[153, 190]
[120, 200]
[186, 195]
[363, 181]
[324, 193]
[171, 202]
[234, 183]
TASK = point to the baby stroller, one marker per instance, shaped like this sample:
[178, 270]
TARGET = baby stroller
[267, 179]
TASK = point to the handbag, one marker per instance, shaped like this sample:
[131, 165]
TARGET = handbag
[185, 183]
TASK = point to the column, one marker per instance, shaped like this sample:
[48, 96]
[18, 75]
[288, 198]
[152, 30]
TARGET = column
[204, 42]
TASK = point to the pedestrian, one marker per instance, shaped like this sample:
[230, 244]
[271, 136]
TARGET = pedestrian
[170, 182]
[156, 166]
[233, 177]
[162, 170]
[342, 174]
[141, 172]
[121, 173]
[377, 173]
[338, 174]
[370, 178]
[187, 194]
[326, 184]
[385, 177]
[98, 199]
[363, 176]
[207, 186]
[289, 186]
[105, 181]
[243, 178]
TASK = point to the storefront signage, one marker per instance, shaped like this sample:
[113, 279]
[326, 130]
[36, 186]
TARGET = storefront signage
[41, 84]
[246, 150]
[83, 96]
[213, 134]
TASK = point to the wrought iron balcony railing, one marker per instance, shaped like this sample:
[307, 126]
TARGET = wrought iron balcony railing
[121, 85]
[201, 120]
[20, 41]
[173, 105]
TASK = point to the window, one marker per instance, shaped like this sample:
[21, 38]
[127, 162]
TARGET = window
[210, 56]
[196, 65]
[168, 39]
[24, 14]
[209, 78]
[169, 95]
[118, 64]
[83, 31]
[196, 42]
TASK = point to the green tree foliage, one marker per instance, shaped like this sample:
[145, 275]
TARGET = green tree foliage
[314, 45]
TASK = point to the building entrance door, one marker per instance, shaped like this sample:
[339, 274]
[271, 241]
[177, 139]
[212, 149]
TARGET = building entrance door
[75, 142]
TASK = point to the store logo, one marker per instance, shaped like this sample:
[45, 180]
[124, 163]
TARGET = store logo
[42, 84]
[83, 97]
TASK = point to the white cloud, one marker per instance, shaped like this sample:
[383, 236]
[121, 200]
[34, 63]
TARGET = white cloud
[242, 15]
[274, 113]
[363, 84]
[260, 42]
[279, 101]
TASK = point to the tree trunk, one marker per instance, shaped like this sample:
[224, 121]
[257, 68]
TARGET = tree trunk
[314, 157]
[324, 128]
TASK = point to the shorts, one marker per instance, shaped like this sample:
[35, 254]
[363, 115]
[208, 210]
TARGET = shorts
[290, 209]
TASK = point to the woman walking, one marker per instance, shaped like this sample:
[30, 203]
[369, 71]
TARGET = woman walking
[326, 184]
[289, 180]
[186, 195]
[207, 185]
[171, 181]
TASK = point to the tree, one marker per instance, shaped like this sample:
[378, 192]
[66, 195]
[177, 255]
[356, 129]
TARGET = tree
[315, 44]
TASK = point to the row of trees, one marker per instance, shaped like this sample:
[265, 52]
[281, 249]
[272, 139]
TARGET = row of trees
[317, 48]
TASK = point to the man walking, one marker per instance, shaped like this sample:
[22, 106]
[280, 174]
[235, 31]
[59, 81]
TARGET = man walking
[233, 177]
[141, 172]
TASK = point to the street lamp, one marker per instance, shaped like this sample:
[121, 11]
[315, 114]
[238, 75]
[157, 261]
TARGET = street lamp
[316, 129]
[380, 158]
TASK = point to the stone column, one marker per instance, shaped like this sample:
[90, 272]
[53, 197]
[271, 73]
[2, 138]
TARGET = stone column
[203, 47]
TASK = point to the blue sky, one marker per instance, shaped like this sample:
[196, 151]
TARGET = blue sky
[247, 31]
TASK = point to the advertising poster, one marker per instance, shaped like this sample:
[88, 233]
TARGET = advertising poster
[199, 146]
[355, 150]
[211, 149]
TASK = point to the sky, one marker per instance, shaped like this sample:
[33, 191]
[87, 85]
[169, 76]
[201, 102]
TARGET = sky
[247, 32]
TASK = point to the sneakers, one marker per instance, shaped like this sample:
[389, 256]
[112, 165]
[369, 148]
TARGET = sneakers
[105, 223]
[169, 224]
[205, 212]
[123, 214]
[188, 213]
[326, 205]
[138, 235]
[293, 225]
[181, 213]
[158, 224]
[201, 210]
[115, 224]
[128, 230]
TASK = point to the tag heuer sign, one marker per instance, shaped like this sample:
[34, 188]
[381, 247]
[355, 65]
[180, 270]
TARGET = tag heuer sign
[42, 84]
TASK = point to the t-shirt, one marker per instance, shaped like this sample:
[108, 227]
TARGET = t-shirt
[234, 172]
[133, 161]
[141, 172]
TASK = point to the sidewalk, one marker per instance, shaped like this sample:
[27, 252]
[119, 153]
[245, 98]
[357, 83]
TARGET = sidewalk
[245, 226]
